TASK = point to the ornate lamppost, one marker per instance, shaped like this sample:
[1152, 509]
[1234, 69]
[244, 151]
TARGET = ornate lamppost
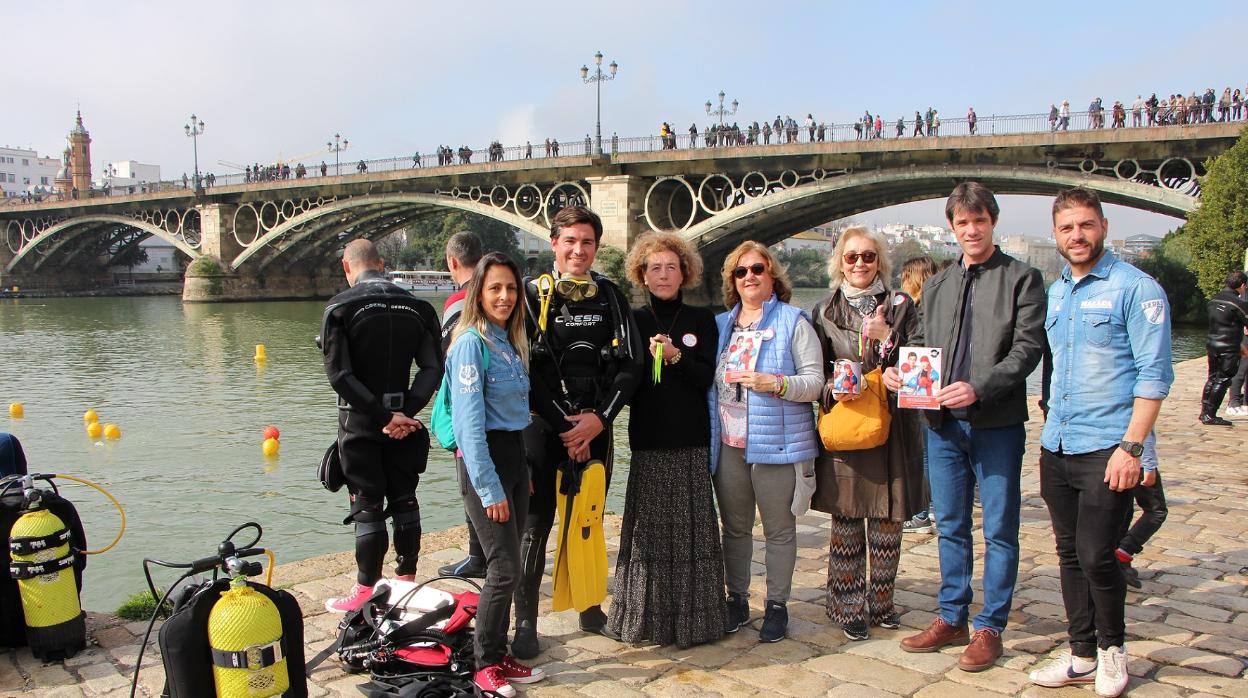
[193, 131]
[598, 78]
[340, 144]
[721, 111]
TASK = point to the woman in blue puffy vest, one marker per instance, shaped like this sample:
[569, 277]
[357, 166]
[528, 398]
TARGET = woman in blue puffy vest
[763, 442]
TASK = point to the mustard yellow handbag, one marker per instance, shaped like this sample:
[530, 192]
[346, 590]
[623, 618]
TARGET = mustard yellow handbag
[855, 425]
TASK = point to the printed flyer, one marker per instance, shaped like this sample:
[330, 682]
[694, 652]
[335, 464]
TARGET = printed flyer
[921, 370]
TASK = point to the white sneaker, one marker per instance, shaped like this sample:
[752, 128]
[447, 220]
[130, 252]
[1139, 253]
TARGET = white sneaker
[1240, 411]
[1061, 672]
[1111, 671]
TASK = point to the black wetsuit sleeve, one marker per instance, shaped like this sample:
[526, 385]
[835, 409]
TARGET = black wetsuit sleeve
[698, 364]
[542, 395]
[337, 349]
[627, 373]
[428, 357]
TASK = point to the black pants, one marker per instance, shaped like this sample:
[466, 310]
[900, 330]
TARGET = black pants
[500, 544]
[1153, 511]
[1087, 517]
[1237, 383]
[1222, 368]
[381, 474]
[544, 452]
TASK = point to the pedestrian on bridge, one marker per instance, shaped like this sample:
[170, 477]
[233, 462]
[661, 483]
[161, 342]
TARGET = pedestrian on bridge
[184, 180]
[918, 124]
[971, 120]
[554, 146]
[362, 167]
[693, 135]
[1052, 117]
[416, 159]
[766, 133]
[901, 126]
[324, 168]
[528, 150]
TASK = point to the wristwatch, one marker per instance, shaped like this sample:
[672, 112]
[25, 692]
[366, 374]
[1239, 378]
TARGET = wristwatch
[1135, 448]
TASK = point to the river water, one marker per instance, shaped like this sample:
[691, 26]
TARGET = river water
[181, 383]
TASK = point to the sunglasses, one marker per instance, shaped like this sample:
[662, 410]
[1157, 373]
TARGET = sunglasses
[758, 268]
[868, 257]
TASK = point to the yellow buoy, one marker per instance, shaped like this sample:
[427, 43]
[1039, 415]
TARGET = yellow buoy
[90, 416]
[261, 355]
[112, 432]
[94, 430]
[16, 411]
[270, 447]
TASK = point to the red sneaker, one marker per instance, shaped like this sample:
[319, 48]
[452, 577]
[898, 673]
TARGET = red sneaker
[516, 672]
[490, 679]
[346, 604]
[405, 577]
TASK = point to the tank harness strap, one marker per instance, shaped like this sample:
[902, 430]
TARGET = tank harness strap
[251, 658]
[29, 570]
[33, 544]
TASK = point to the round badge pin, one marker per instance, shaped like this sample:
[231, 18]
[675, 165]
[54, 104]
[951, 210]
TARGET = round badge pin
[689, 340]
[769, 333]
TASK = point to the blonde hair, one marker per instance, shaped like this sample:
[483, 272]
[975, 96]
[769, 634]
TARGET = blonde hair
[914, 273]
[779, 276]
[652, 242]
[884, 266]
[473, 315]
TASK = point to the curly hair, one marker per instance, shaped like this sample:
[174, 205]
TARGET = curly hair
[779, 275]
[652, 242]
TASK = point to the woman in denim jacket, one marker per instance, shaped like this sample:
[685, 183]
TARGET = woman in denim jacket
[489, 407]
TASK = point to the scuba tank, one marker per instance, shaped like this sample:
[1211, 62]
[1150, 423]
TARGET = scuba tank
[39, 595]
[229, 638]
[245, 634]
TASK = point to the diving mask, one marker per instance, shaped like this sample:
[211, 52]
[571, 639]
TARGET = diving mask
[576, 288]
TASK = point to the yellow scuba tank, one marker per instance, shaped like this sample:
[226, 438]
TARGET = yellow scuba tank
[248, 648]
[42, 564]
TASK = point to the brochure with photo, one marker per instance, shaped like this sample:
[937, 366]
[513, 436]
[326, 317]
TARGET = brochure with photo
[846, 377]
[921, 370]
[742, 353]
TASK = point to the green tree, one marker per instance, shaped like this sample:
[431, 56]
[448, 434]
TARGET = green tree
[1171, 264]
[806, 267]
[1217, 231]
[426, 238]
[610, 262]
[906, 249]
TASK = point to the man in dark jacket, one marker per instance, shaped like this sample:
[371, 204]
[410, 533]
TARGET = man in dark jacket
[1228, 316]
[986, 313]
[371, 336]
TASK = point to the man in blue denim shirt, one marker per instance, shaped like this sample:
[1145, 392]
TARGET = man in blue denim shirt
[1109, 331]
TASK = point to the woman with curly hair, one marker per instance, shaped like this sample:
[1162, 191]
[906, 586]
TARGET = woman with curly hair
[669, 576]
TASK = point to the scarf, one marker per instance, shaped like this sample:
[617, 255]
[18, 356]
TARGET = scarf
[862, 299]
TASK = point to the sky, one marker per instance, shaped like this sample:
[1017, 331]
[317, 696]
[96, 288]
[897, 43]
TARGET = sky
[277, 79]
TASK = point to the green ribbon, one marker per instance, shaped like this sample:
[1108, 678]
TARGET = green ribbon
[656, 373]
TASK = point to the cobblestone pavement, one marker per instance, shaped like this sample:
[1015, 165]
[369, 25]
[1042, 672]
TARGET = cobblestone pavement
[1187, 628]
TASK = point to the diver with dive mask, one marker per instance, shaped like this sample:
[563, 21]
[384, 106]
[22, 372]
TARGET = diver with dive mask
[585, 363]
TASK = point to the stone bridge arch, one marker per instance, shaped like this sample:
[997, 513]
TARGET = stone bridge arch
[33, 245]
[777, 215]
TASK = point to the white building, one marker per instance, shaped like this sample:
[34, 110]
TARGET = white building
[128, 173]
[1040, 253]
[23, 171]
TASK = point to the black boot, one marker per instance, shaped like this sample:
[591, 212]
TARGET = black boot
[472, 567]
[533, 566]
[1213, 420]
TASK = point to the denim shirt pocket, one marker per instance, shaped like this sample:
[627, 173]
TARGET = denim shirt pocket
[1097, 328]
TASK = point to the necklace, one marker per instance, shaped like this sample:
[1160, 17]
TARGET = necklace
[671, 325]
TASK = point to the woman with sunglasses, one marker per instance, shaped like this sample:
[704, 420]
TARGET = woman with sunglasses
[763, 441]
[669, 574]
[871, 492]
[488, 379]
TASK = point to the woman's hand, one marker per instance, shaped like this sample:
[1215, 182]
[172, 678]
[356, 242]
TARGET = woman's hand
[760, 382]
[669, 350]
[498, 513]
[874, 326]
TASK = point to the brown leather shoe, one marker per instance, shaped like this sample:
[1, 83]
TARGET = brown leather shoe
[937, 635]
[983, 652]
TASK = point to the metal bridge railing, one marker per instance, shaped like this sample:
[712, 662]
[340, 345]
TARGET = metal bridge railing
[680, 140]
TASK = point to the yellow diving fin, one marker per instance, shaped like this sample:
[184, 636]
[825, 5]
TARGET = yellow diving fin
[580, 578]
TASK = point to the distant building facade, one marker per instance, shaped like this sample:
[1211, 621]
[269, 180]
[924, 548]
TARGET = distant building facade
[24, 171]
[1040, 253]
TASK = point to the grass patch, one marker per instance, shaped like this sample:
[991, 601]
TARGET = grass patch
[140, 607]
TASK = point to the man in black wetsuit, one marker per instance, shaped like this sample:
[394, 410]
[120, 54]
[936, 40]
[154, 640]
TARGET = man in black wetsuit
[586, 361]
[1228, 316]
[463, 251]
[371, 335]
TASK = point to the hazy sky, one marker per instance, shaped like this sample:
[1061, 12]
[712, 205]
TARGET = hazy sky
[278, 79]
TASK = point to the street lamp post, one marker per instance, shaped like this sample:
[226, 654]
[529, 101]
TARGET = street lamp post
[340, 144]
[721, 111]
[598, 78]
[193, 131]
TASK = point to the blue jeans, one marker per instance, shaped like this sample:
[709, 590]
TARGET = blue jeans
[958, 456]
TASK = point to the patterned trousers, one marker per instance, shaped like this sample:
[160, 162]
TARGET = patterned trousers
[849, 598]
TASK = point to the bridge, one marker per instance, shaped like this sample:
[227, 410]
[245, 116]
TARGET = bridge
[278, 239]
